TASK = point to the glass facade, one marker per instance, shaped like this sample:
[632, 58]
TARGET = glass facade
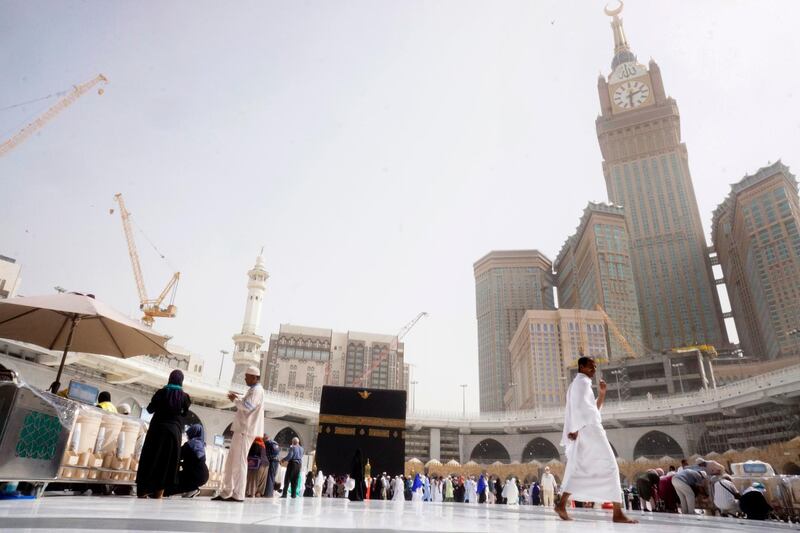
[755, 233]
[506, 285]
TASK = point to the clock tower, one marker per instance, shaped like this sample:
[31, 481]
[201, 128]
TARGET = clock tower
[646, 169]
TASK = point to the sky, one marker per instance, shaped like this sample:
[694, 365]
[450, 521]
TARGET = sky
[375, 149]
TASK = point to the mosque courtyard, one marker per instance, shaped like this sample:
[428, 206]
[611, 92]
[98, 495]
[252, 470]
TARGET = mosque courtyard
[127, 514]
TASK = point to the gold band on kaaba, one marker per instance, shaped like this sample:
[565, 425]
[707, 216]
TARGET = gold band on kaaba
[365, 421]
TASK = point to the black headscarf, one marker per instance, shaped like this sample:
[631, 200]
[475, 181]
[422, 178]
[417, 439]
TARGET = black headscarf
[176, 378]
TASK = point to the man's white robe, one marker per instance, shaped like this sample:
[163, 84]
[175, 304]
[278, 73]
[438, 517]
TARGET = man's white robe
[592, 473]
[472, 490]
[248, 423]
[548, 489]
[318, 482]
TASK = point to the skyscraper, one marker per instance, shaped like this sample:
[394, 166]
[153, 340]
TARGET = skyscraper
[507, 283]
[301, 359]
[594, 268]
[755, 233]
[9, 277]
[543, 349]
[646, 169]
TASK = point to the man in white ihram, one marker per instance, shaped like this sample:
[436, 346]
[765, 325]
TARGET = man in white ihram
[591, 473]
[548, 487]
[248, 423]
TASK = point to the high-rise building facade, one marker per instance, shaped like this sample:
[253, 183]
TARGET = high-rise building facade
[507, 284]
[543, 349]
[646, 170]
[247, 343]
[301, 359]
[9, 277]
[594, 268]
[755, 233]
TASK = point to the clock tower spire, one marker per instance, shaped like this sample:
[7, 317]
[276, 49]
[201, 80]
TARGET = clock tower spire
[622, 51]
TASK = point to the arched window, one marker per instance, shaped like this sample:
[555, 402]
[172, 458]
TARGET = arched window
[539, 449]
[656, 444]
[191, 418]
[284, 437]
[791, 469]
[488, 451]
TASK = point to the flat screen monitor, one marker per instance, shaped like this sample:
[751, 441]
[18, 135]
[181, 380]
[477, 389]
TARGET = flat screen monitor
[82, 392]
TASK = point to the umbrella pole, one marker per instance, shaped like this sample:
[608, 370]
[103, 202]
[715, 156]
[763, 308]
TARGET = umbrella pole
[56, 384]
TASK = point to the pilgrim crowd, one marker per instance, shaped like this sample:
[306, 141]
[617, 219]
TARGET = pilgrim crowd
[254, 468]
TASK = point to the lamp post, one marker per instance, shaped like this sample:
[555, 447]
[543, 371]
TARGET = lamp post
[616, 373]
[680, 376]
[463, 400]
[221, 363]
[413, 395]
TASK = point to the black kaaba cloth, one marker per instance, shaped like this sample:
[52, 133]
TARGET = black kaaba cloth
[371, 419]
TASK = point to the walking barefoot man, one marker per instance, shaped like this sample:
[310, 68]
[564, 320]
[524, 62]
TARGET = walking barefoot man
[592, 473]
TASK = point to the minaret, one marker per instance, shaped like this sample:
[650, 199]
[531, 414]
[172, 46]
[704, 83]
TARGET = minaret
[248, 342]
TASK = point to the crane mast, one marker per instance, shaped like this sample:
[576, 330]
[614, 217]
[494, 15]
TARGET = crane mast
[150, 307]
[630, 350]
[47, 116]
[384, 354]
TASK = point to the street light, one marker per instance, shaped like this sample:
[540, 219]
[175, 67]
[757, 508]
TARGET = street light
[221, 363]
[413, 396]
[463, 400]
[616, 373]
[680, 377]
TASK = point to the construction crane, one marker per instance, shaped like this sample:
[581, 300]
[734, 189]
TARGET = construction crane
[151, 307]
[381, 358]
[705, 349]
[47, 116]
[629, 350]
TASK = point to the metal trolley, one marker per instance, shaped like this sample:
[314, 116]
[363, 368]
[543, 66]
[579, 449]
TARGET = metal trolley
[42, 442]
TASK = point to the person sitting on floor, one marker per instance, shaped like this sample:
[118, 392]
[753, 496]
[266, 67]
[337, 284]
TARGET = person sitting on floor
[193, 472]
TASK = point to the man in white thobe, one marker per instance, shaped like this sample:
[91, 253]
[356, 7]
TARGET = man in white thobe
[248, 423]
[549, 487]
[592, 473]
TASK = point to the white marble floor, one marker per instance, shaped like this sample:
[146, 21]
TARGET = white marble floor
[125, 514]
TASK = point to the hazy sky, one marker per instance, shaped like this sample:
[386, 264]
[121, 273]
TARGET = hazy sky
[375, 148]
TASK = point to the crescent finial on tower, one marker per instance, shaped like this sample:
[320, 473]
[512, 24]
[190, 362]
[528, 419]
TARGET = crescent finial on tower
[616, 11]
[622, 51]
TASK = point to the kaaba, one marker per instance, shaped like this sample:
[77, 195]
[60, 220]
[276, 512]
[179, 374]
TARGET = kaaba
[373, 420]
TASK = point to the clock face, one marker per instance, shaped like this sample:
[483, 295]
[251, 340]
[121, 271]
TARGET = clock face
[631, 94]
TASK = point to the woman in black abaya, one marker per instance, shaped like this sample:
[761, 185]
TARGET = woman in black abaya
[158, 464]
[357, 475]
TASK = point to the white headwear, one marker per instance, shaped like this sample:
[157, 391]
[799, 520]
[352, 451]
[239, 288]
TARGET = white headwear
[253, 371]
